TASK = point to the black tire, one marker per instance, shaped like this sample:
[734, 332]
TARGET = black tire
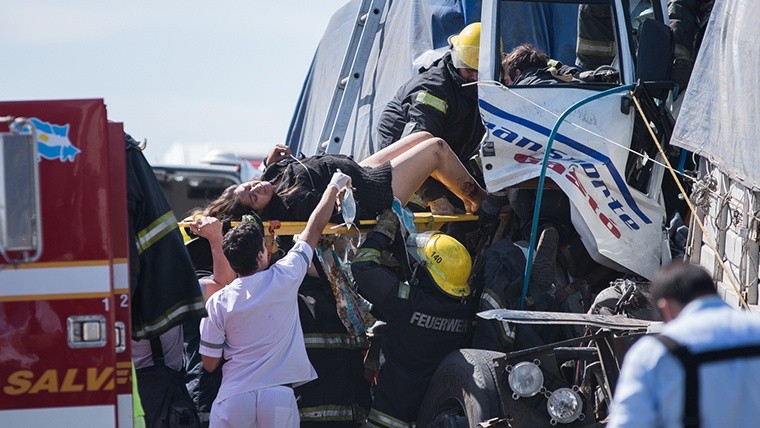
[463, 391]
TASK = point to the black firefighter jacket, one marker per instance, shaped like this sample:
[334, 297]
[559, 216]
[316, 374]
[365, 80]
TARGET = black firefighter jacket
[163, 284]
[423, 326]
[435, 101]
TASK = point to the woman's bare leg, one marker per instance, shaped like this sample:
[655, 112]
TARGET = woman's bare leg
[396, 149]
[433, 157]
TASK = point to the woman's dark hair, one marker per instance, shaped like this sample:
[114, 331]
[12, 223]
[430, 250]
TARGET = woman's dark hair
[522, 58]
[227, 206]
[242, 245]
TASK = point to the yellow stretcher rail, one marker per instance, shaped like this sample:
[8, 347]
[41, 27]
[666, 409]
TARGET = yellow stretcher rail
[423, 221]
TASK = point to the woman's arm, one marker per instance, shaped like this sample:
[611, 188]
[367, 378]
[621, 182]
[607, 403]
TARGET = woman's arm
[278, 153]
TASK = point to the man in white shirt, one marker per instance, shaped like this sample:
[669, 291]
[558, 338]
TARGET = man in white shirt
[253, 323]
[703, 370]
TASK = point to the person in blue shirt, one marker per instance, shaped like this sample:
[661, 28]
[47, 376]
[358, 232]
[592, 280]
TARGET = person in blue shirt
[704, 367]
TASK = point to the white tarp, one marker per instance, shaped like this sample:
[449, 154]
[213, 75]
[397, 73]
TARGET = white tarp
[719, 115]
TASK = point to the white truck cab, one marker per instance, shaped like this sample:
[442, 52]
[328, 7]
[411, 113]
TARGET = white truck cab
[585, 131]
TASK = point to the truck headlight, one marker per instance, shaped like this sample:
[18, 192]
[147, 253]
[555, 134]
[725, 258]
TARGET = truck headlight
[525, 379]
[564, 405]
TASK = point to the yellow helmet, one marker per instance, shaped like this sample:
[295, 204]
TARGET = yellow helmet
[446, 260]
[465, 47]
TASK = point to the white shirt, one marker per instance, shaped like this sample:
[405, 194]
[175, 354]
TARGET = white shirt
[650, 392]
[254, 320]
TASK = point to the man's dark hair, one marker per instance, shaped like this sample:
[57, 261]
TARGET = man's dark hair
[242, 245]
[682, 282]
[523, 57]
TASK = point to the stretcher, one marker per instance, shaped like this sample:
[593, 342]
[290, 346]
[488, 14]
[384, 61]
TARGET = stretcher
[423, 221]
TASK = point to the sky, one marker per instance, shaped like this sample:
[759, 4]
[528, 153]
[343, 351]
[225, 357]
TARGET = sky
[186, 74]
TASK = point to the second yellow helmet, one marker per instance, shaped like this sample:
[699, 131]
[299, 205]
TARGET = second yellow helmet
[465, 47]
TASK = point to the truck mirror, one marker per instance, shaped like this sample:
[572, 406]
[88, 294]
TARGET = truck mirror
[655, 54]
[20, 222]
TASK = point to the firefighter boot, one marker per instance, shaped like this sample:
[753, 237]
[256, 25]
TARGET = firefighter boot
[545, 262]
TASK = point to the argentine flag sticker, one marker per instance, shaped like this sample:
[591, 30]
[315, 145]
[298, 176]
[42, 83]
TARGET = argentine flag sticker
[52, 140]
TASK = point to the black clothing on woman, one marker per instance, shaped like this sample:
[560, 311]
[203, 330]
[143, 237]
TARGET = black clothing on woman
[299, 185]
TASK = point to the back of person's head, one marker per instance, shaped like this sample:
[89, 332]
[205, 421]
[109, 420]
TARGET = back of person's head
[227, 206]
[522, 57]
[242, 246]
[465, 47]
[682, 282]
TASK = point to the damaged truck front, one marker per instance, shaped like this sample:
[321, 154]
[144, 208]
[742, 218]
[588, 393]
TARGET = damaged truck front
[595, 142]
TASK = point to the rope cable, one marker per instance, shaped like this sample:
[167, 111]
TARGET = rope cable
[710, 245]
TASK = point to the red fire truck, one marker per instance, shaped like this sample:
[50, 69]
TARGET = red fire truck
[64, 292]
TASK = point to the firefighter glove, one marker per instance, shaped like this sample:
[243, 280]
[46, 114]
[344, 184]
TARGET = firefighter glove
[387, 224]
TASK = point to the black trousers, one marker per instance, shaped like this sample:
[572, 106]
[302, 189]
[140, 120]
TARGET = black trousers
[165, 399]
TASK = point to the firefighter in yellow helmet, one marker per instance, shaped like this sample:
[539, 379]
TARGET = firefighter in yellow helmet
[427, 316]
[440, 101]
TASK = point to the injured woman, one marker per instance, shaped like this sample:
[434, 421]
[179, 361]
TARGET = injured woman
[290, 188]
